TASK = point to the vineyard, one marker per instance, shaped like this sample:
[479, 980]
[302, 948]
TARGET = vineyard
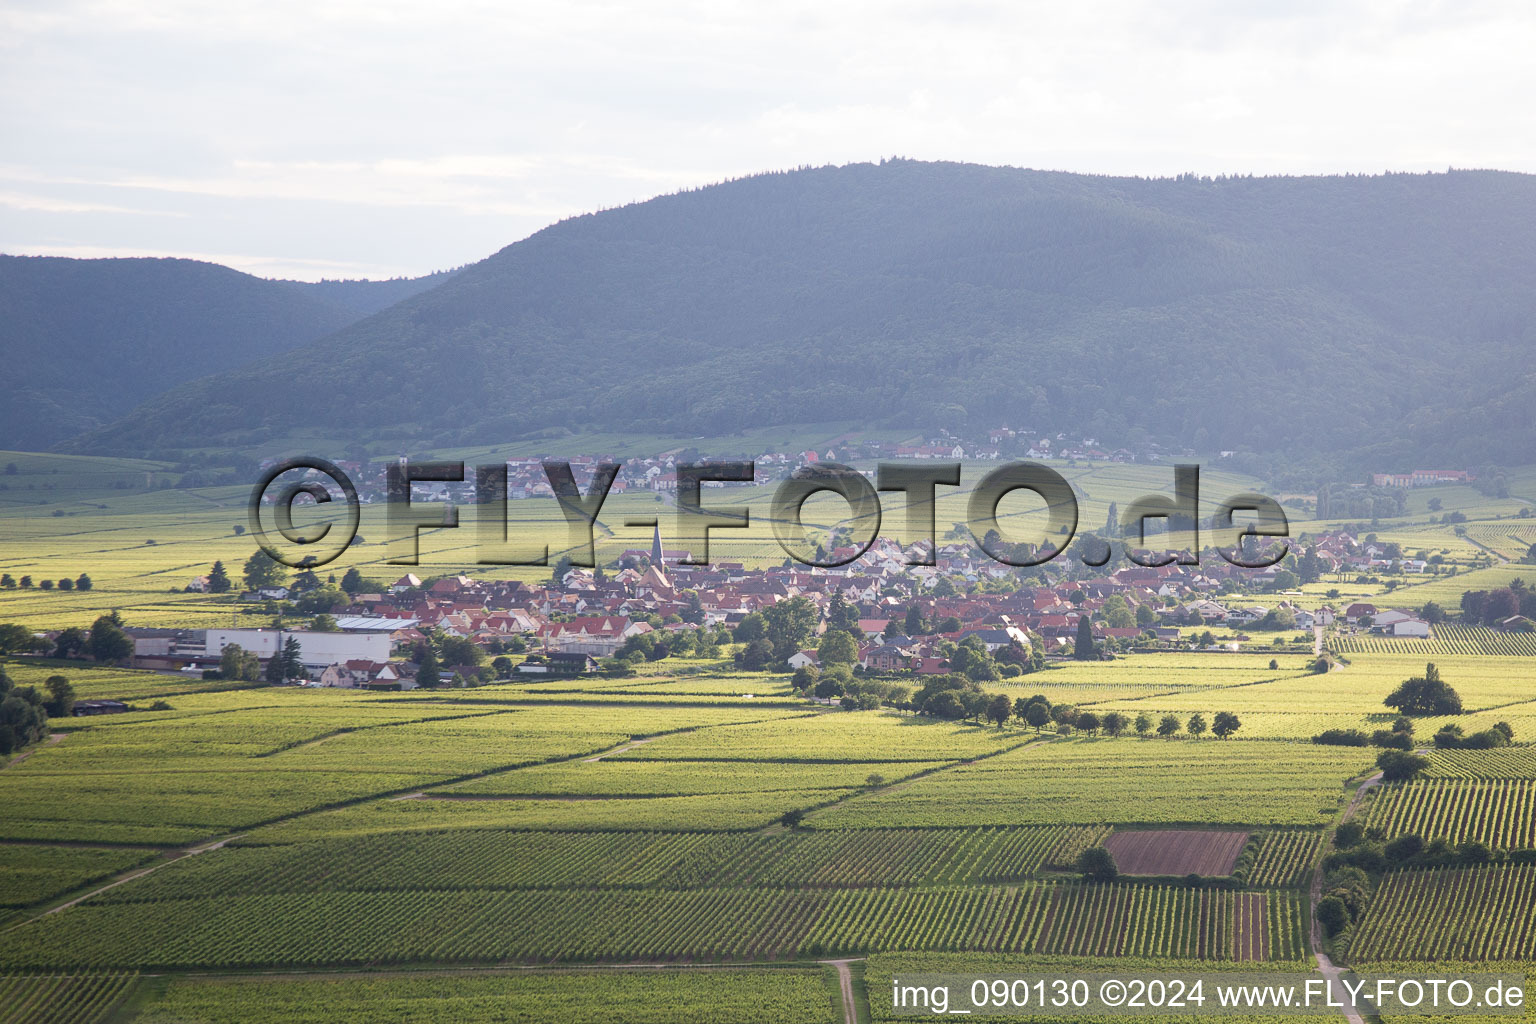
[1284, 858]
[1446, 639]
[1502, 763]
[546, 926]
[1501, 814]
[1475, 914]
[1165, 921]
[61, 999]
[1507, 540]
[769, 995]
[559, 860]
[30, 874]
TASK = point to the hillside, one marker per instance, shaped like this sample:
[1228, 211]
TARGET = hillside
[1276, 315]
[368, 297]
[87, 340]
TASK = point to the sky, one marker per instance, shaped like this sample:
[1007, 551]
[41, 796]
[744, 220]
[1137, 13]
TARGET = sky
[368, 138]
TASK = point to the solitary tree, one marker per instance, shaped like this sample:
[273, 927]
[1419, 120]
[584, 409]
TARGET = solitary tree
[1225, 724]
[1097, 865]
[1114, 723]
[1143, 724]
[1425, 695]
[83, 582]
[1196, 725]
[218, 579]
[1000, 709]
[837, 648]
[1168, 727]
[1400, 766]
[352, 581]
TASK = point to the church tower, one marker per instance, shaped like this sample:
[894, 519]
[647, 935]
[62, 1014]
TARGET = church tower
[656, 555]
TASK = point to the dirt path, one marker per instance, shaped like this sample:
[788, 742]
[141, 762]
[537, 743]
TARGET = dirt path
[1317, 641]
[845, 986]
[632, 744]
[1329, 969]
[53, 738]
[171, 857]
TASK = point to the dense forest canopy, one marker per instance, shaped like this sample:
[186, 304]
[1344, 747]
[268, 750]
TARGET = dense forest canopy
[1369, 316]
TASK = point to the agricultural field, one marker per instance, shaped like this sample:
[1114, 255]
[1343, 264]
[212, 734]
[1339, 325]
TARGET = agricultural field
[1284, 858]
[1176, 851]
[32, 873]
[61, 999]
[1500, 813]
[1501, 763]
[546, 926]
[1126, 781]
[618, 859]
[773, 996]
[1478, 914]
[1448, 639]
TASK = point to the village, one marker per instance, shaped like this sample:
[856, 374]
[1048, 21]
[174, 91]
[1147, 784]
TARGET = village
[907, 619]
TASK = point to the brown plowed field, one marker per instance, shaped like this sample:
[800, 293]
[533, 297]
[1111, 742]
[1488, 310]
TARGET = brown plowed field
[1176, 852]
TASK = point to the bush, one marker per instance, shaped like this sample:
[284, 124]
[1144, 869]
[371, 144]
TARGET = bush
[1342, 738]
[1097, 865]
[1332, 915]
[1404, 848]
[1398, 766]
[1391, 740]
[1348, 834]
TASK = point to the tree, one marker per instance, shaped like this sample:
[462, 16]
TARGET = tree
[1196, 725]
[756, 656]
[262, 571]
[218, 579]
[1225, 724]
[1169, 726]
[324, 623]
[1400, 766]
[1037, 714]
[1088, 721]
[23, 721]
[751, 627]
[459, 650]
[1332, 915]
[66, 584]
[108, 642]
[352, 581]
[70, 643]
[1143, 724]
[7, 581]
[1114, 723]
[913, 621]
[83, 582]
[1096, 864]
[789, 625]
[1145, 616]
[1117, 613]
[1000, 709]
[428, 674]
[1425, 695]
[61, 697]
[837, 648]
[1082, 647]
[235, 662]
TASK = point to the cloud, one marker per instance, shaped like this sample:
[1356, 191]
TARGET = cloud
[411, 135]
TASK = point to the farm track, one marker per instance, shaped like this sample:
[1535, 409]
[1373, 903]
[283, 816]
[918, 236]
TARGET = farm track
[53, 739]
[1325, 964]
[845, 988]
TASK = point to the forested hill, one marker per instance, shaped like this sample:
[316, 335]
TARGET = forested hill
[85, 341]
[1266, 314]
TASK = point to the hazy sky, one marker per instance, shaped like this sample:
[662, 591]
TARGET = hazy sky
[372, 138]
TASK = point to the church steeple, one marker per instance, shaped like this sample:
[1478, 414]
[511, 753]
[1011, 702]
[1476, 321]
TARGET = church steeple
[656, 555]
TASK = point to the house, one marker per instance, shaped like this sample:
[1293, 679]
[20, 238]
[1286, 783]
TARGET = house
[1357, 611]
[804, 659]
